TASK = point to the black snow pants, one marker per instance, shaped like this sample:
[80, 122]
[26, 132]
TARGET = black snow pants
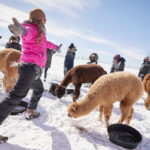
[28, 78]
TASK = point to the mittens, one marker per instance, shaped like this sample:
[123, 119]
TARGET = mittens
[58, 48]
[17, 28]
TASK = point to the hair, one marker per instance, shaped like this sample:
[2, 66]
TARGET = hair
[13, 38]
[95, 55]
[40, 27]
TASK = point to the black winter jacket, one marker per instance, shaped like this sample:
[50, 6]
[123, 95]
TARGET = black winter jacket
[145, 69]
[69, 60]
[119, 66]
[14, 45]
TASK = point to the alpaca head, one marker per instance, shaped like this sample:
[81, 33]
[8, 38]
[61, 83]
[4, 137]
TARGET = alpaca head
[73, 110]
[60, 91]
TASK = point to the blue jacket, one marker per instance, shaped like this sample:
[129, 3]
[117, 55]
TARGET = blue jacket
[69, 60]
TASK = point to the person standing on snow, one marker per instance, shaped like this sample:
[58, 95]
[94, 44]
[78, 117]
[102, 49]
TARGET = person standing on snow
[145, 68]
[69, 58]
[49, 60]
[93, 58]
[118, 64]
[33, 59]
[13, 43]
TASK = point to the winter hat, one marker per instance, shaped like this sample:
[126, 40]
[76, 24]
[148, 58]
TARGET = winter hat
[117, 57]
[94, 56]
[37, 14]
[71, 45]
[146, 59]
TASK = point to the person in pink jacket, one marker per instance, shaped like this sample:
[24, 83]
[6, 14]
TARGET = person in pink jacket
[33, 59]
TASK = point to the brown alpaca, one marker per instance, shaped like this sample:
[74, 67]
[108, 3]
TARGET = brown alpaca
[8, 58]
[146, 84]
[80, 74]
[119, 86]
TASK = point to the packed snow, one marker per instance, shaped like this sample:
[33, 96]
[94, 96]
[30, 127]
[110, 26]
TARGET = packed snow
[54, 130]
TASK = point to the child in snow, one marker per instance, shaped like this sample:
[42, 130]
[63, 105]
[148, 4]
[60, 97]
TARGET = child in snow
[69, 59]
[118, 64]
[145, 68]
[93, 58]
[33, 59]
[14, 43]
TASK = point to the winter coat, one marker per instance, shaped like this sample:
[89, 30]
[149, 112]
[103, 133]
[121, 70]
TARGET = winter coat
[34, 52]
[14, 45]
[49, 57]
[145, 69]
[92, 62]
[69, 60]
[119, 66]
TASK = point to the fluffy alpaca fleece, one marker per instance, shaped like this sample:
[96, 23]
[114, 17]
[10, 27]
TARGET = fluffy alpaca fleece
[8, 65]
[119, 86]
[146, 84]
[80, 74]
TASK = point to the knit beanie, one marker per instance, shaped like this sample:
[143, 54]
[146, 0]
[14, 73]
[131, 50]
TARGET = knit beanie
[146, 59]
[37, 14]
[116, 57]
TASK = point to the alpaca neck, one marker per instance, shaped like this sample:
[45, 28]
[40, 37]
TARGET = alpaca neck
[86, 106]
[66, 81]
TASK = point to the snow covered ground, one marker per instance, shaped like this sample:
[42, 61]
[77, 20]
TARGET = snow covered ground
[54, 130]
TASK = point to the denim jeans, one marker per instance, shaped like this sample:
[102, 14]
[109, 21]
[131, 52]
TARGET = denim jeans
[28, 78]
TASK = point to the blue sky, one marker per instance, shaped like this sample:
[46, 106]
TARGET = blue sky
[107, 27]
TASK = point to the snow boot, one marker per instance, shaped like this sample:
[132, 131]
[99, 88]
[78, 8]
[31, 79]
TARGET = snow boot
[3, 139]
[31, 113]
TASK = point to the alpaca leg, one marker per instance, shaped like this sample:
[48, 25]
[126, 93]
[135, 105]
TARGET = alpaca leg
[147, 102]
[125, 109]
[100, 108]
[127, 122]
[107, 113]
[5, 81]
[77, 91]
[10, 84]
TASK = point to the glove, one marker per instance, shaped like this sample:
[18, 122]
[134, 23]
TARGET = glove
[58, 48]
[16, 28]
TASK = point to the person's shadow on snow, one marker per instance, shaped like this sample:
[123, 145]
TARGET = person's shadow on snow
[47, 94]
[59, 140]
[9, 146]
[144, 145]
[97, 139]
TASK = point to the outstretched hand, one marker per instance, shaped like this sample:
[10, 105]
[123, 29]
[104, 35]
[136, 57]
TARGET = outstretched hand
[16, 28]
[59, 48]
[16, 22]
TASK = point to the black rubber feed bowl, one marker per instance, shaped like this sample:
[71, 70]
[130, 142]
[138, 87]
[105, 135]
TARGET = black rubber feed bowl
[123, 135]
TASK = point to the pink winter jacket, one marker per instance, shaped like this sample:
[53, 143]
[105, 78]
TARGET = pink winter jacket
[33, 52]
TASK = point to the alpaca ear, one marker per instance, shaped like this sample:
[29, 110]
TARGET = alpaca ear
[74, 106]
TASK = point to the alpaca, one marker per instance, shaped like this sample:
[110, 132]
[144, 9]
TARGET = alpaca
[80, 74]
[146, 84]
[119, 86]
[8, 65]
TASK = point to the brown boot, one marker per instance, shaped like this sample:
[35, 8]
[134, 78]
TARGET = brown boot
[32, 113]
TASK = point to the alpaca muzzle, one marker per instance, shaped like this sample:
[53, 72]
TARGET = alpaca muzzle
[69, 116]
